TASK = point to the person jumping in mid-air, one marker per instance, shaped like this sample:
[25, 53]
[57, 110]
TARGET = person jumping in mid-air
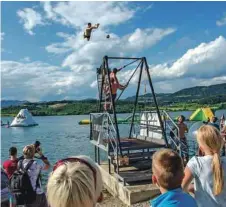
[88, 30]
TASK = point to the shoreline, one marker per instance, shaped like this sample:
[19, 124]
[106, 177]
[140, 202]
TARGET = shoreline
[166, 109]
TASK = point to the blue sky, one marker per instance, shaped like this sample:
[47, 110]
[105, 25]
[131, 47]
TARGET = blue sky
[44, 56]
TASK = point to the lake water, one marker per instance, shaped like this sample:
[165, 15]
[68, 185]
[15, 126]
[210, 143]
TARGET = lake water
[61, 136]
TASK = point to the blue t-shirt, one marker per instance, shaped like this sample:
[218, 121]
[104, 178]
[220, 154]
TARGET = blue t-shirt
[174, 198]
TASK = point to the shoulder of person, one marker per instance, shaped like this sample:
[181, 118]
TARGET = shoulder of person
[6, 162]
[194, 164]
[39, 164]
[36, 163]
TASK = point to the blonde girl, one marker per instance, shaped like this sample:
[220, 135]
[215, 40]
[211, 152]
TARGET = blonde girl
[75, 181]
[208, 171]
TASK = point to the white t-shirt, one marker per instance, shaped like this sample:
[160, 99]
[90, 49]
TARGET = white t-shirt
[33, 173]
[201, 168]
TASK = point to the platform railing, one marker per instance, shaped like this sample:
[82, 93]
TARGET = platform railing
[112, 136]
[176, 142]
[105, 129]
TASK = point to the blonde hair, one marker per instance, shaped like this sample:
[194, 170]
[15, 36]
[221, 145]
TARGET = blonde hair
[29, 151]
[210, 138]
[73, 184]
[168, 167]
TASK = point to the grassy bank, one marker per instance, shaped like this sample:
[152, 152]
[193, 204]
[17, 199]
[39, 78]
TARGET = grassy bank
[83, 108]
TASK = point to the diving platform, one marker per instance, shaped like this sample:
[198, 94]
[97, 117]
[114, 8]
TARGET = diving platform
[129, 194]
[127, 171]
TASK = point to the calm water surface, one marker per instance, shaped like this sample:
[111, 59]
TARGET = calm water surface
[61, 136]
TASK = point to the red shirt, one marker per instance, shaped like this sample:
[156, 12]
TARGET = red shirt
[10, 167]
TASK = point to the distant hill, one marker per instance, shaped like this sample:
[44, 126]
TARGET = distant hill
[201, 91]
[194, 94]
[7, 103]
[185, 99]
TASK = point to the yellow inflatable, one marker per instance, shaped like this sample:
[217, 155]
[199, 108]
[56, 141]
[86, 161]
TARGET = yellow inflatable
[84, 121]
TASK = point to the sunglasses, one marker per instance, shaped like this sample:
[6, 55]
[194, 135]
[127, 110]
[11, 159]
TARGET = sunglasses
[75, 159]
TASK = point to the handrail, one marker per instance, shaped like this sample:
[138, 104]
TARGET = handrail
[178, 146]
[172, 121]
[112, 138]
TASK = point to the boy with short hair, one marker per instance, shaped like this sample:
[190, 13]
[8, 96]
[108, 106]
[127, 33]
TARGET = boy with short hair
[168, 173]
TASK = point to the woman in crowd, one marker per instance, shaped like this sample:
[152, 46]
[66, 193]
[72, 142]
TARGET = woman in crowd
[75, 181]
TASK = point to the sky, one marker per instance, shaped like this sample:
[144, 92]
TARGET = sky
[44, 56]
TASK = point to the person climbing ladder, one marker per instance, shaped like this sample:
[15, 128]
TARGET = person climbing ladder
[88, 30]
[114, 87]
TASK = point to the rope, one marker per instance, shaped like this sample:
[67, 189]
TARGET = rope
[127, 65]
[129, 80]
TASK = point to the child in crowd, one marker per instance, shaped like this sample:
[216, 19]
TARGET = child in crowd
[168, 173]
[208, 171]
[75, 181]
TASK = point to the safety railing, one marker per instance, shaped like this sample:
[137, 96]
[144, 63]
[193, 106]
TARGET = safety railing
[104, 129]
[174, 140]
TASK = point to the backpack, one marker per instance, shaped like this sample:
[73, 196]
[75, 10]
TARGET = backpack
[20, 185]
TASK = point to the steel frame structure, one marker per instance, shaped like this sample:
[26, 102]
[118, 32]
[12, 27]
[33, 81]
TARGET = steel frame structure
[142, 65]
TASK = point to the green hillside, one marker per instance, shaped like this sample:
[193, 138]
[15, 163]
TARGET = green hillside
[187, 99]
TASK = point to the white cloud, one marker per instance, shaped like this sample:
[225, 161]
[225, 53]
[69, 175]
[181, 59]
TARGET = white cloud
[203, 65]
[40, 81]
[30, 18]
[146, 38]
[222, 21]
[26, 59]
[206, 61]
[148, 8]
[85, 55]
[34, 81]
[48, 9]
[2, 34]
[78, 14]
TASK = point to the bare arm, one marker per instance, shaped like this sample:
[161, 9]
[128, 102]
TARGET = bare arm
[187, 179]
[95, 26]
[45, 160]
[121, 87]
[186, 128]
